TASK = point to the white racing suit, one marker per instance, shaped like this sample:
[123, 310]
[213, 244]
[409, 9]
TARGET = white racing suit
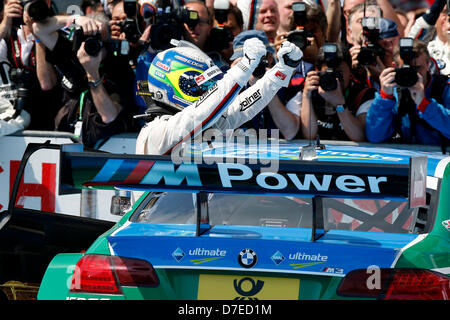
[222, 107]
[438, 50]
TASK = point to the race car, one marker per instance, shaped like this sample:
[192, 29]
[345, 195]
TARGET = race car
[250, 222]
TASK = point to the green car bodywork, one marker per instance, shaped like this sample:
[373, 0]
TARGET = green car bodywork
[430, 250]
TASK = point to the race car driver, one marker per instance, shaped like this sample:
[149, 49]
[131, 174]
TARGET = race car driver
[183, 81]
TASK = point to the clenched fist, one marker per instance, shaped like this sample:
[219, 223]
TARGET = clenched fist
[254, 50]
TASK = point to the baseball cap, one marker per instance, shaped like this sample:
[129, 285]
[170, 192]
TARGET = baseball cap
[238, 42]
[388, 28]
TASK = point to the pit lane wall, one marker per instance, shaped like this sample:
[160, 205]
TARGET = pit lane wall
[39, 188]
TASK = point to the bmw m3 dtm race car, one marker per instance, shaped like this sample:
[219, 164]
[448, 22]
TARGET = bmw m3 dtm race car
[348, 223]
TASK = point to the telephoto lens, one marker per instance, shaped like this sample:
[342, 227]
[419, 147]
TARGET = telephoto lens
[38, 10]
[22, 78]
[93, 45]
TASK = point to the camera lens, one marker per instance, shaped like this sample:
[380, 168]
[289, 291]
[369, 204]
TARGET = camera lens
[406, 77]
[92, 46]
[222, 38]
[367, 56]
[261, 68]
[160, 36]
[38, 10]
[129, 27]
[299, 39]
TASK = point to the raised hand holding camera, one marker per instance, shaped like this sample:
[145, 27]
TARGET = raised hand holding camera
[12, 16]
[329, 77]
[311, 83]
[37, 10]
[406, 76]
[13, 9]
[89, 26]
[169, 23]
[90, 63]
[387, 81]
[299, 36]
[370, 49]
[334, 97]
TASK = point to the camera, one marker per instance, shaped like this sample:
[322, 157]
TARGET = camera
[168, 24]
[299, 35]
[22, 79]
[38, 10]
[222, 35]
[327, 78]
[406, 76]
[260, 70]
[94, 44]
[371, 49]
[129, 25]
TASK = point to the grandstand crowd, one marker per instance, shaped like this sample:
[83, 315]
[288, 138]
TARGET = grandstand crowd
[373, 70]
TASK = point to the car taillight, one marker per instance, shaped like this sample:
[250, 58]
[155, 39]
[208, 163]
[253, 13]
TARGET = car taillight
[396, 284]
[105, 274]
[418, 285]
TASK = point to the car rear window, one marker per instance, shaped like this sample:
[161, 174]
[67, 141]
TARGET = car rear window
[368, 215]
[280, 211]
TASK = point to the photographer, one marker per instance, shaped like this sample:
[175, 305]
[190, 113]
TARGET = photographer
[26, 73]
[309, 32]
[416, 111]
[354, 21]
[98, 92]
[385, 7]
[333, 106]
[228, 24]
[176, 24]
[374, 40]
[235, 21]
[199, 34]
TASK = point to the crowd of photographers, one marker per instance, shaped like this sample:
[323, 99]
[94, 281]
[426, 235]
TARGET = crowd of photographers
[373, 70]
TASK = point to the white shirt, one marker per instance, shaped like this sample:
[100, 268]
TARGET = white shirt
[440, 52]
[25, 50]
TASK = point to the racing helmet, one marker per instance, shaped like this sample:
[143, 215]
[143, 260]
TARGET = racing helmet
[177, 77]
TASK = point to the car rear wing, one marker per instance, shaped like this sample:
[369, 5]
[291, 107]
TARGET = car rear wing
[247, 176]
[306, 178]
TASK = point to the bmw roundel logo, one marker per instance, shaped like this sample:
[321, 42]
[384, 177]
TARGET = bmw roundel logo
[247, 258]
